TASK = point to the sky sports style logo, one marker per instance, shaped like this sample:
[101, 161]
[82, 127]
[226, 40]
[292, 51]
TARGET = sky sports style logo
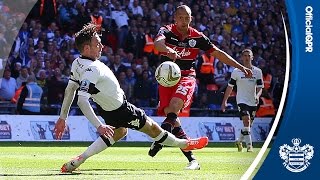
[296, 158]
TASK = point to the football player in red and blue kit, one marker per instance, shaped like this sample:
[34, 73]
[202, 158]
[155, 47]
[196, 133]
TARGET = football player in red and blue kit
[181, 43]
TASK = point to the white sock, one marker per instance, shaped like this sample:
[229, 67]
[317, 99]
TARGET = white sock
[247, 137]
[97, 146]
[171, 140]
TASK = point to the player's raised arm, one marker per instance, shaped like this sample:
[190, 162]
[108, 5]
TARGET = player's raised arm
[227, 59]
[160, 45]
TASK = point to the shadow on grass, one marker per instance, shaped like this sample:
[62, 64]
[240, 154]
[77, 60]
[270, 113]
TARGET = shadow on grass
[32, 175]
[92, 172]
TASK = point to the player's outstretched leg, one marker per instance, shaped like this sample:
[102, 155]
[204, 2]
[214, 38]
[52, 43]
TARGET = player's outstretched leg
[168, 125]
[96, 147]
[165, 138]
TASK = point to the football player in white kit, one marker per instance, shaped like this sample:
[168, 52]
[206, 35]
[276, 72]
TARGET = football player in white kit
[249, 90]
[95, 80]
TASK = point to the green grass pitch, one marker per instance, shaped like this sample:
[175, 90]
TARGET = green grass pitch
[123, 161]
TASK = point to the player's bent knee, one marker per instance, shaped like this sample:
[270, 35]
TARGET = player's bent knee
[123, 131]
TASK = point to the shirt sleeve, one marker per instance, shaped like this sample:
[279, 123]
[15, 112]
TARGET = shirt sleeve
[206, 44]
[88, 83]
[163, 32]
[260, 80]
[233, 79]
[74, 74]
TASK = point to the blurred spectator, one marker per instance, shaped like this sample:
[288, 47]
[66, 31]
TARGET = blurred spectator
[23, 76]
[124, 84]
[221, 75]
[8, 86]
[135, 8]
[16, 70]
[135, 42]
[30, 98]
[131, 81]
[143, 90]
[46, 10]
[56, 87]
[121, 19]
[117, 65]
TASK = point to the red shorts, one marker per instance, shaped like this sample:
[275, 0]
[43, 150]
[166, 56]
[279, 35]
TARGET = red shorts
[183, 90]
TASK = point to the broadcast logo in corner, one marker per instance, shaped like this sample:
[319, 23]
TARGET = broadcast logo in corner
[296, 158]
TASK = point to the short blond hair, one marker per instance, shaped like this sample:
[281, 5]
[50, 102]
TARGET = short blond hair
[184, 7]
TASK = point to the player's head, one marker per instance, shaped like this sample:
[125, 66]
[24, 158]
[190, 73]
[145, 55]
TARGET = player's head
[88, 41]
[247, 57]
[182, 17]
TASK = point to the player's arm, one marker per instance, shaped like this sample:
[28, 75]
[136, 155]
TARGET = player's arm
[69, 94]
[87, 88]
[160, 45]
[227, 59]
[228, 91]
[259, 87]
[214, 51]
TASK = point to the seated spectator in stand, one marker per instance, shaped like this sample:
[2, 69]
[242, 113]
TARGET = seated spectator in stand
[56, 87]
[8, 86]
[117, 66]
[143, 90]
[43, 83]
[221, 75]
[30, 98]
[23, 76]
[125, 86]
[16, 70]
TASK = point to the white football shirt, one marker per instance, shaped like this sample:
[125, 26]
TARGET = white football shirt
[246, 87]
[98, 82]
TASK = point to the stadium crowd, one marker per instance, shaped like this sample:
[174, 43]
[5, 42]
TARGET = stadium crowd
[44, 46]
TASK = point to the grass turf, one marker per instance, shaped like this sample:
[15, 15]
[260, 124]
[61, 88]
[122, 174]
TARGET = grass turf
[43, 161]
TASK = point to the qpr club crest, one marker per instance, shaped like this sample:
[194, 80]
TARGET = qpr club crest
[192, 43]
[296, 158]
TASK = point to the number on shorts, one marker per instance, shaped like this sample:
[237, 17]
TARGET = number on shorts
[182, 90]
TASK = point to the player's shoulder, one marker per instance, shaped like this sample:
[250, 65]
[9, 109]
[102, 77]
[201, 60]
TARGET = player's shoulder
[255, 68]
[236, 70]
[167, 27]
[195, 33]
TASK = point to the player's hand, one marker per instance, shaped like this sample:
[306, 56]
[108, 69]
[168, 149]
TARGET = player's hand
[172, 54]
[247, 72]
[105, 130]
[59, 128]
[223, 106]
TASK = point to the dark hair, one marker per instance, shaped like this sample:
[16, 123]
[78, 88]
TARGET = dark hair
[84, 36]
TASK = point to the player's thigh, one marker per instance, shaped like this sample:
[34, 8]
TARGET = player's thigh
[127, 116]
[185, 89]
[165, 95]
[247, 113]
